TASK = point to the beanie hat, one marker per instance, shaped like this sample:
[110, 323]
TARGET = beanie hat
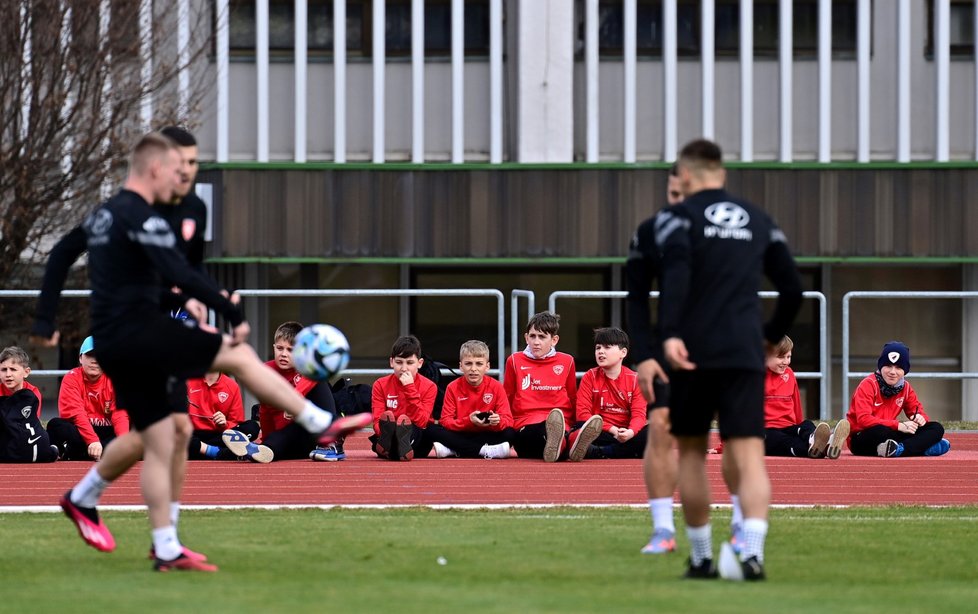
[895, 353]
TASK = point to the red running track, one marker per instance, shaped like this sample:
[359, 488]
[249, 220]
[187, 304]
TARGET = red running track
[365, 480]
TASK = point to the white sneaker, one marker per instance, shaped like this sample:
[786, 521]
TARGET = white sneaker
[499, 450]
[729, 564]
[443, 451]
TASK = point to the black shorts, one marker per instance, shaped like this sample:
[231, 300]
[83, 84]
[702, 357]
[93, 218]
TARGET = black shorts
[661, 390]
[734, 396]
[149, 361]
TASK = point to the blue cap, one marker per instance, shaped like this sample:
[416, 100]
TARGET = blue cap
[87, 345]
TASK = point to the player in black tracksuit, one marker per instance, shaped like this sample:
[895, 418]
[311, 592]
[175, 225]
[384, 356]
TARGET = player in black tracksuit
[715, 248]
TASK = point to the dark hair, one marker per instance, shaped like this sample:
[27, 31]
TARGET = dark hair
[405, 347]
[178, 135]
[674, 170]
[287, 331]
[546, 322]
[611, 335]
[701, 154]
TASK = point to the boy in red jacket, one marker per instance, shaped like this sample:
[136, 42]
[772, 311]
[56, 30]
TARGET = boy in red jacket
[214, 404]
[401, 404]
[89, 417]
[786, 432]
[876, 407]
[475, 419]
[541, 384]
[610, 404]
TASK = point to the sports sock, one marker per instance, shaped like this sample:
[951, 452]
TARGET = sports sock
[755, 531]
[211, 451]
[88, 491]
[737, 515]
[166, 544]
[661, 510]
[174, 512]
[700, 543]
[314, 419]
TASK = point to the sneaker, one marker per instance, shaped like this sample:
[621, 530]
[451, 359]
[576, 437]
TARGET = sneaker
[555, 436]
[704, 571]
[330, 453]
[343, 426]
[403, 434]
[582, 438]
[938, 449]
[241, 446]
[90, 527]
[662, 541]
[819, 441]
[183, 563]
[187, 552]
[838, 439]
[889, 448]
[753, 569]
[385, 438]
[499, 450]
[737, 537]
[442, 451]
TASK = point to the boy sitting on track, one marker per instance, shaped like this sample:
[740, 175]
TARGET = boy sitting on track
[401, 404]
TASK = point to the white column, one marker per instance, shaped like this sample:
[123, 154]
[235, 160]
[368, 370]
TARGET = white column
[747, 80]
[261, 67]
[545, 112]
[146, 57]
[223, 55]
[942, 61]
[379, 66]
[903, 81]
[417, 81]
[785, 53]
[339, 82]
[863, 27]
[824, 80]
[630, 23]
[301, 25]
[495, 81]
[670, 81]
[591, 78]
[707, 58]
[26, 76]
[183, 57]
[458, 81]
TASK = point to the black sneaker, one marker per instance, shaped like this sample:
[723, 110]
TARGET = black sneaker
[753, 569]
[704, 571]
[385, 438]
[404, 433]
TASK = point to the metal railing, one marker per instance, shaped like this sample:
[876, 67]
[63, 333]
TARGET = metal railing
[514, 300]
[847, 298]
[822, 374]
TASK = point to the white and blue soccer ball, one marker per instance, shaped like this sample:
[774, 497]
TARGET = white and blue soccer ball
[320, 352]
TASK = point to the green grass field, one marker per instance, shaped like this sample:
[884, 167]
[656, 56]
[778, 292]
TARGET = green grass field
[566, 559]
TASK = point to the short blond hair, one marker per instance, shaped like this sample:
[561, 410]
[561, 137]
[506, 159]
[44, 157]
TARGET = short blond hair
[473, 347]
[16, 354]
[151, 146]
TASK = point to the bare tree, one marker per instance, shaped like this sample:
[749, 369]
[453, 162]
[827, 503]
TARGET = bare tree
[79, 81]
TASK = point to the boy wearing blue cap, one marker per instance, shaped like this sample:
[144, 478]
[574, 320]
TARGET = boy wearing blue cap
[874, 413]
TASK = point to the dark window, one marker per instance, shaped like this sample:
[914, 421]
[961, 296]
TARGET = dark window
[962, 29]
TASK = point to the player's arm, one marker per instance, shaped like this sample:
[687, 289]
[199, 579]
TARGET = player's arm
[64, 253]
[120, 421]
[235, 414]
[503, 410]
[780, 268]
[509, 381]
[420, 402]
[641, 269]
[585, 398]
[796, 401]
[378, 404]
[639, 409]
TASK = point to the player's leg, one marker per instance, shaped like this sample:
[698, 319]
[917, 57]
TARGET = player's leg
[660, 469]
[731, 477]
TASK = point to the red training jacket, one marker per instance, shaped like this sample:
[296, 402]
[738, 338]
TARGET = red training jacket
[273, 419]
[869, 408]
[6, 392]
[618, 401]
[461, 399]
[416, 400]
[782, 401]
[204, 400]
[89, 404]
[534, 387]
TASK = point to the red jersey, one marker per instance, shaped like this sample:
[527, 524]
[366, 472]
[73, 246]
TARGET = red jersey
[416, 400]
[89, 404]
[618, 401]
[462, 398]
[6, 392]
[870, 408]
[273, 419]
[204, 400]
[535, 386]
[782, 401]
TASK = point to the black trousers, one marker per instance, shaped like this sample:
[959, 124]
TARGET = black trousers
[468, 443]
[530, 440]
[250, 428]
[421, 443]
[606, 446]
[71, 446]
[864, 442]
[790, 440]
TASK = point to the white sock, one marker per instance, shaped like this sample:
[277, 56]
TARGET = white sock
[661, 510]
[88, 491]
[700, 543]
[174, 512]
[314, 419]
[737, 515]
[166, 544]
[755, 531]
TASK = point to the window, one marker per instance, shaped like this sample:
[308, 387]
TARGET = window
[359, 27]
[962, 29]
[726, 28]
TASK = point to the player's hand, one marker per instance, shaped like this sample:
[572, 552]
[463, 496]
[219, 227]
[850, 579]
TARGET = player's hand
[474, 419]
[677, 355]
[907, 427]
[196, 309]
[47, 342]
[647, 371]
[405, 378]
[624, 435]
[613, 431]
[234, 297]
[220, 419]
[95, 450]
[240, 333]
[920, 420]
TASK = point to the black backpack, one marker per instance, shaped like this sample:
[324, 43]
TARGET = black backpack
[22, 438]
[351, 398]
[432, 369]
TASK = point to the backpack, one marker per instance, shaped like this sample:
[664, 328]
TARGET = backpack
[432, 369]
[351, 398]
[22, 438]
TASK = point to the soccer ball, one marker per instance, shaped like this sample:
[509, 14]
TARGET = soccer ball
[320, 352]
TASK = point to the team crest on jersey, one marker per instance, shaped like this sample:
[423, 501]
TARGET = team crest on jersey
[108, 408]
[899, 402]
[784, 377]
[222, 396]
[487, 398]
[188, 228]
[26, 411]
[295, 380]
[558, 369]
